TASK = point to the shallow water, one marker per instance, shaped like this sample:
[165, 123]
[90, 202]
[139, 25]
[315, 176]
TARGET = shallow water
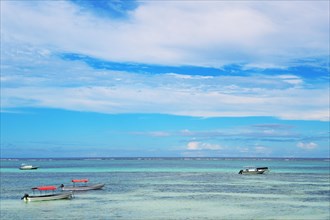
[156, 188]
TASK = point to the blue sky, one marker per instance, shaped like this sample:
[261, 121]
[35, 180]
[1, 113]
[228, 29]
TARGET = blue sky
[165, 78]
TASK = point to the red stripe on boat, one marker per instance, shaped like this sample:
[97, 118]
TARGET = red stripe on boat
[80, 181]
[45, 188]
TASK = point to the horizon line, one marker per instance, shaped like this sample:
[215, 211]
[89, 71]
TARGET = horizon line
[146, 157]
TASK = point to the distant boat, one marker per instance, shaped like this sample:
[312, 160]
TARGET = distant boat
[253, 170]
[46, 197]
[27, 167]
[83, 187]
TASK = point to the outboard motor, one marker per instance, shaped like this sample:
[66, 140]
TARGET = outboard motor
[240, 172]
[62, 186]
[25, 196]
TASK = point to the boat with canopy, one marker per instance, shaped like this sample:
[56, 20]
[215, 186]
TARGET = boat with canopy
[81, 185]
[253, 170]
[44, 196]
[27, 167]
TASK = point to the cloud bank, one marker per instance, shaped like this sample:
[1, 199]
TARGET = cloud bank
[174, 33]
[256, 36]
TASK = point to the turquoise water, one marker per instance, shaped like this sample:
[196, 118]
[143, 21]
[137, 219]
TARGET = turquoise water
[171, 188]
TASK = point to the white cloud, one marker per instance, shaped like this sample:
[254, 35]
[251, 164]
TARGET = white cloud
[159, 134]
[256, 151]
[291, 79]
[243, 149]
[100, 91]
[203, 33]
[262, 150]
[196, 145]
[307, 145]
[153, 133]
[198, 33]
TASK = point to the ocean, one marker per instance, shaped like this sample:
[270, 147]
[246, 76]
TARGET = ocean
[171, 188]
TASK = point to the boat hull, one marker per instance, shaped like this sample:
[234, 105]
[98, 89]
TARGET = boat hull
[28, 168]
[252, 172]
[83, 188]
[66, 195]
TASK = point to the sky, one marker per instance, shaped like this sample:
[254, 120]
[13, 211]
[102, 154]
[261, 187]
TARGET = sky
[165, 78]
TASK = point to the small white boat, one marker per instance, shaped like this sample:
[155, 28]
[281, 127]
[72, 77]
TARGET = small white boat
[253, 170]
[46, 197]
[27, 167]
[83, 187]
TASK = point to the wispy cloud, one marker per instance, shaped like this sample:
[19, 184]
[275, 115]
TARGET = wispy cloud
[195, 145]
[59, 54]
[75, 86]
[251, 136]
[307, 145]
[122, 99]
[152, 133]
[198, 33]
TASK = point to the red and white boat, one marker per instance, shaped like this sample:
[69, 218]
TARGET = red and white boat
[46, 196]
[81, 185]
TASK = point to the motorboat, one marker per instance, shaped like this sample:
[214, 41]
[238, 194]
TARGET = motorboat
[263, 168]
[253, 170]
[81, 185]
[46, 196]
[27, 167]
